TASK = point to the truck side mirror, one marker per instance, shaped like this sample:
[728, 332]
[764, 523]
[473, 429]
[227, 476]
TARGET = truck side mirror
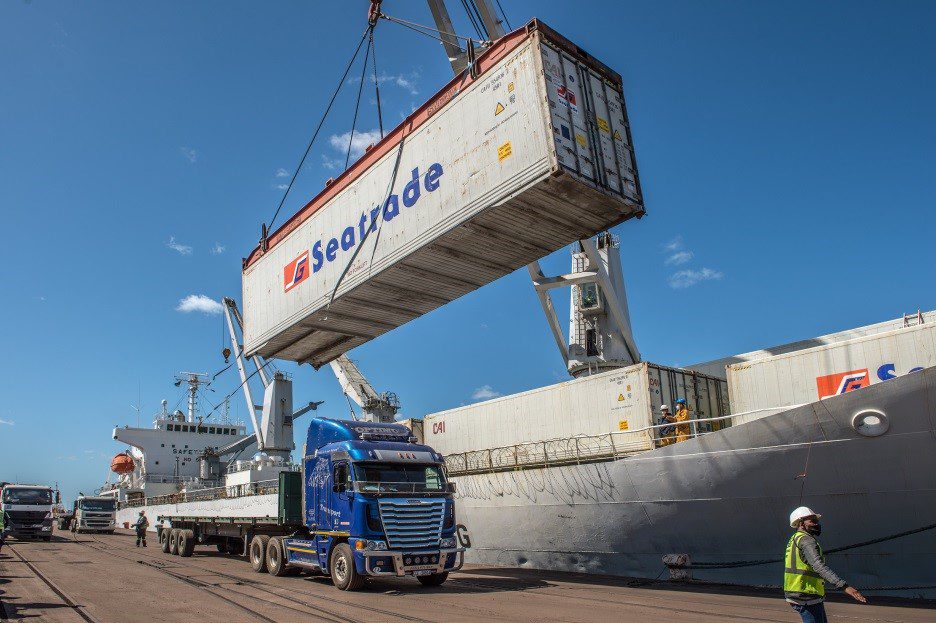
[451, 487]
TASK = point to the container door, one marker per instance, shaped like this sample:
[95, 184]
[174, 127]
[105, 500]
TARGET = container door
[570, 130]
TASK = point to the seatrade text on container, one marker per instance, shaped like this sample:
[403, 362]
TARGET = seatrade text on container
[297, 270]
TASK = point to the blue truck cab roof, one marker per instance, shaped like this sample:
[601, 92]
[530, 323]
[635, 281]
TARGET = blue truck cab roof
[368, 441]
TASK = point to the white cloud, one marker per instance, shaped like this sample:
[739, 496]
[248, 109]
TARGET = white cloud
[484, 392]
[689, 277]
[68, 458]
[217, 249]
[281, 186]
[199, 303]
[673, 245]
[189, 153]
[281, 172]
[183, 249]
[680, 257]
[330, 163]
[407, 82]
[7, 422]
[358, 142]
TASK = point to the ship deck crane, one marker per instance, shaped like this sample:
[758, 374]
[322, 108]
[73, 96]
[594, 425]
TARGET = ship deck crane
[274, 430]
[375, 407]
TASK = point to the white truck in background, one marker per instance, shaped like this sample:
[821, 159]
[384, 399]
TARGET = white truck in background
[94, 514]
[28, 510]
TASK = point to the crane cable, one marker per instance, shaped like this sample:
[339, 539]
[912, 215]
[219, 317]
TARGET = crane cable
[318, 129]
[357, 103]
[416, 28]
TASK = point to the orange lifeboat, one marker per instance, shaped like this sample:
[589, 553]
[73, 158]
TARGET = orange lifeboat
[122, 464]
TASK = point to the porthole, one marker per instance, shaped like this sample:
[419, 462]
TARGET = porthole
[870, 423]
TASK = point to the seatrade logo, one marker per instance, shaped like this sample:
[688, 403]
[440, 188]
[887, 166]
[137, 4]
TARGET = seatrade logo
[842, 382]
[342, 243]
[296, 271]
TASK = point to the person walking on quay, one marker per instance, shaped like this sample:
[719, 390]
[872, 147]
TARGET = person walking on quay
[142, 523]
[805, 572]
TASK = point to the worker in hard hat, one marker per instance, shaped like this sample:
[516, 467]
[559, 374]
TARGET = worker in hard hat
[141, 524]
[682, 415]
[805, 572]
[667, 433]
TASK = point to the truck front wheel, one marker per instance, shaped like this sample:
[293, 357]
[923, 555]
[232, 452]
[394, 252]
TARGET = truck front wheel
[343, 573]
[436, 579]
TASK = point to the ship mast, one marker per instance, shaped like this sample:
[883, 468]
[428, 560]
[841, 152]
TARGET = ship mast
[194, 380]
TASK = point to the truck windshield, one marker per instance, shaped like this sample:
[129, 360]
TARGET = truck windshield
[398, 478]
[101, 506]
[27, 496]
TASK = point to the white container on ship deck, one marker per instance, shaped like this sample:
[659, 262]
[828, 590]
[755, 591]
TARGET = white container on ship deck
[494, 171]
[619, 401]
[812, 373]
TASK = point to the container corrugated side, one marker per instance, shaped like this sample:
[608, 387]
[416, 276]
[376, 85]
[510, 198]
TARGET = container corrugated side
[812, 374]
[627, 399]
[477, 183]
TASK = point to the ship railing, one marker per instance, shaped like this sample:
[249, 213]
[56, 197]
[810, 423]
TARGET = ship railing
[590, 448]
[262, 487]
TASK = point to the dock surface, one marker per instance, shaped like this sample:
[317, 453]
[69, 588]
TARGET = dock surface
[104, 578]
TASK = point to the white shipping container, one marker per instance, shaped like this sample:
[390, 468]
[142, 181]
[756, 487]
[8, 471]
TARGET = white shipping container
[820, 372]
[627, 399]
[496, 170]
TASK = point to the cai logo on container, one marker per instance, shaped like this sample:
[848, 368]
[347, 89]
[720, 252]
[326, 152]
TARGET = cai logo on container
[296, 271]
[842, 382]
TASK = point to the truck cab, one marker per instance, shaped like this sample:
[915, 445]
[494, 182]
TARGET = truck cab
[28, 510]
[94, 514]
[376, 503]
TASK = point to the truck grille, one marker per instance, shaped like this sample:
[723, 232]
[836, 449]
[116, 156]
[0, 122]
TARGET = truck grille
[412, 524]
[26, 517]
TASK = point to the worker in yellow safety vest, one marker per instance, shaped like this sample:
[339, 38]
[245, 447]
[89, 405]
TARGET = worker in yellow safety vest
[805, 572]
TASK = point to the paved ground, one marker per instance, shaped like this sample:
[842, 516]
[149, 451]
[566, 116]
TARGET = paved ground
[105, 579]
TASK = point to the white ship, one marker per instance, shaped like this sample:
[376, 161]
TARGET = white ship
[165, 457]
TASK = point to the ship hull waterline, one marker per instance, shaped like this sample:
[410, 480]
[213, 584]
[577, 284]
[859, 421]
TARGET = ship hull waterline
[725, 498]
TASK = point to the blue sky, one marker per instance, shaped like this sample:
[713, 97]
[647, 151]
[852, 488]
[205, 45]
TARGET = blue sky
[786, 152]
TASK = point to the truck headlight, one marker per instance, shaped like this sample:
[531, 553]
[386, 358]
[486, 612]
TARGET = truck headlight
[377, 545]
[448, 543]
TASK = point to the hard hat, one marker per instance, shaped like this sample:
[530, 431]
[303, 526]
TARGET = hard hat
[800, 514]
[664, 407]
[680, 401]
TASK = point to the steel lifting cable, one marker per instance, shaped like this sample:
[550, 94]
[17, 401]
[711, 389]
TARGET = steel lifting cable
[319, 127]
[373, 47]
[415, 27]
[769, 561]
[357, 103]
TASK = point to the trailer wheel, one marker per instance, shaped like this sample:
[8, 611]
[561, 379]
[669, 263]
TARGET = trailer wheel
[174, 541]
[258, 547]
[186, 543]
[436, 579]
[165, 540]
[343, 573]
[276, 558]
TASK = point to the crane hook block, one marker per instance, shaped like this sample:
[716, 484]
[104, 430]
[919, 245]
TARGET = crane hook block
[373, 12]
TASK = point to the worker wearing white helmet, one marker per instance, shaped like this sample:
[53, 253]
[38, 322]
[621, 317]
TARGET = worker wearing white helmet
[805, 572]
[667, 433]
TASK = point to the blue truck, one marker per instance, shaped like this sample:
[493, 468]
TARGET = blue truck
[367, 501]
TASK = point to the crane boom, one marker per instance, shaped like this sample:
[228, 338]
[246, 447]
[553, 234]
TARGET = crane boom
[375, 407]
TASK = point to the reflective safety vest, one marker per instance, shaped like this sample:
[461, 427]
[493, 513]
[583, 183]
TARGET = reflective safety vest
[798, 576]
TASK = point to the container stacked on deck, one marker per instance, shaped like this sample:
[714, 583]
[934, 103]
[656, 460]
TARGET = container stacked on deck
[496, 170]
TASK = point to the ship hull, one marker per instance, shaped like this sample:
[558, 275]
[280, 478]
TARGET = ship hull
[725, 498]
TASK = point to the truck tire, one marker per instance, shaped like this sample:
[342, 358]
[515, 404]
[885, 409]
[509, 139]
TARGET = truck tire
[341, 566]
[186, 543]
[165, 540]
[276, 558]
[258, 547]
[174, 541]
[436, 579]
